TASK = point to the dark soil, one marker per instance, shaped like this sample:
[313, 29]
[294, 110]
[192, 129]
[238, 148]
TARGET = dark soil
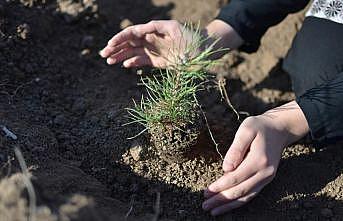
[66, 107]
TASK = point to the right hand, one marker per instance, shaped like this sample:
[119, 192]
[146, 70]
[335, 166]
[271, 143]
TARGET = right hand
[148, 44]
[253, 158]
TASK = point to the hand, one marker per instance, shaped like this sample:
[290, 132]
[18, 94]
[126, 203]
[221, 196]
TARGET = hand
[160, 43]
[144, 45]
[253, 158]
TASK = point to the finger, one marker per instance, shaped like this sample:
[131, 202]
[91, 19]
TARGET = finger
[127, 34]
[238, 149]
[236, 203]
[235, 192]
[138, 61]
[138, 31]
[125, 54]
[231, 179]
[109, 49]
[160, 27]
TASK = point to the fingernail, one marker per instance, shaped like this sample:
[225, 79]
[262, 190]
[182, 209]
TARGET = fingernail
[126, 64]
[104, 52]
[111, 61]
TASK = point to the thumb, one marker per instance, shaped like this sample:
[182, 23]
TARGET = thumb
[241, 143]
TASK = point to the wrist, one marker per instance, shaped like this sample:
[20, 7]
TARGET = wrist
[291, 120]
[228, 37]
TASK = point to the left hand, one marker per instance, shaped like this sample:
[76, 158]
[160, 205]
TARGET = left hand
[253, 158]
[147, 44]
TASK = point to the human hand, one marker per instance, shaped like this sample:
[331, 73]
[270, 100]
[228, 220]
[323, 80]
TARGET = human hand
[162, 43]
[152, 44]
[253, 158]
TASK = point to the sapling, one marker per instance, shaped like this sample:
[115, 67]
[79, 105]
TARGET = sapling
[170, 111]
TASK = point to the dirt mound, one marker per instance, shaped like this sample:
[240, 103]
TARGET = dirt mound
[14, 206]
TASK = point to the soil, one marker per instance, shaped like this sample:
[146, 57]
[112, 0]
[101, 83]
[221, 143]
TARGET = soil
[172, 142]
[66, 107]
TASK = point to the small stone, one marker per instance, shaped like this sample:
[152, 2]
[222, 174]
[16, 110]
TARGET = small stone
[139, 72]
[136, 152]
[125, 23]
[23, 31]
[85, 52]
[326, 212]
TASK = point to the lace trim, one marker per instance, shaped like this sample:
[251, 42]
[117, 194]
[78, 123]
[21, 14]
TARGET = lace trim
[327, 9]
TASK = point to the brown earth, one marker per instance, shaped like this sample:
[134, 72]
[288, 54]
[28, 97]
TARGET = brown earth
[67, 109]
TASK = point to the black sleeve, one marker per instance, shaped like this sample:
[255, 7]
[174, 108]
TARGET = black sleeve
[252, 18]
[323, 109]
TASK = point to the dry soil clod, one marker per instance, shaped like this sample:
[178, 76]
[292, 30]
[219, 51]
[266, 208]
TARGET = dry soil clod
[23, 31]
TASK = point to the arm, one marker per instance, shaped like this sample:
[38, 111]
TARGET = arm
[239, 22]
[150, 44]
[251, 19]
[323, 107]
[253, 158]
